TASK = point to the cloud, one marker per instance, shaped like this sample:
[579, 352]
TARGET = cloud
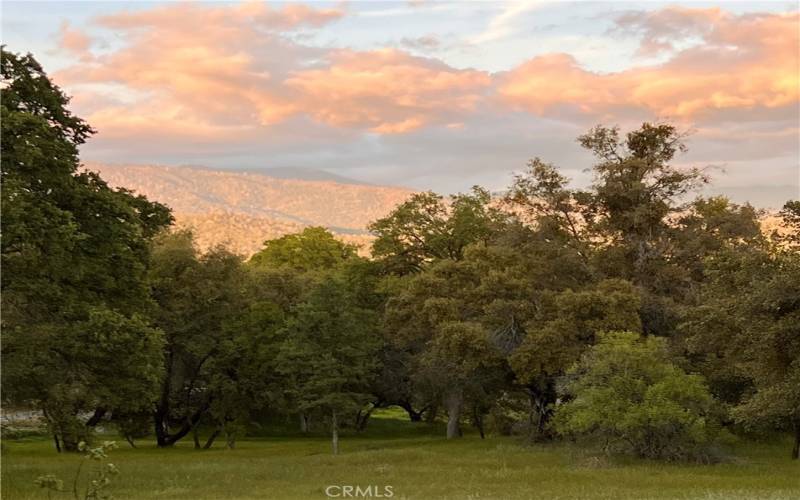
[746, 68]
[252, 13]
[504, 24]
[250, 83]
[241, 70]
[422, 43]
[661, 29]
[74, 41]
[388, 91]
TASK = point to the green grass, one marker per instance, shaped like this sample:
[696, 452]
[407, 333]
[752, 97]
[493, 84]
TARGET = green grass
[415, 460]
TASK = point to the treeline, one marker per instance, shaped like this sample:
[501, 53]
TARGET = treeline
[631, 314]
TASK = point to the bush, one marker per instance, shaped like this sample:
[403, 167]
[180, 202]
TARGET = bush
[629, 396]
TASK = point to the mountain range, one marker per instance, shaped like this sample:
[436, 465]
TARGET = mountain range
[243, 208]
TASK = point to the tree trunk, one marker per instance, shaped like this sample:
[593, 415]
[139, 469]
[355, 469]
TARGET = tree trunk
[230, 436]
[164, 438]
[477, 418]
[335, 432]
[161, 413]
[211, 439]
[129, 439]
[453, 403]
[413, 415]
[543, 397]
[303, 423]
[796, 448]
[95, 419]
[196, 437]
[432, 413]
[363, 418]
[58, 444]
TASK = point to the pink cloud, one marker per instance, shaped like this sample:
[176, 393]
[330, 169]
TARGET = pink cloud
[387, 91]
[747, 64]
[74, 41]
[207, 70]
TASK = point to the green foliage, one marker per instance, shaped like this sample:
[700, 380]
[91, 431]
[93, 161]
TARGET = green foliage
[628, 394]
[74, 256]
[426, 228]
[749, 343]
[329, 352]
[313, 249]
[196, 296]
[790, 216]
[328, 358]
[570, 324]
[477, 305]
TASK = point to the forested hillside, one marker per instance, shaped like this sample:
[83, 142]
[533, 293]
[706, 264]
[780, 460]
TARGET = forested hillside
[243, 209]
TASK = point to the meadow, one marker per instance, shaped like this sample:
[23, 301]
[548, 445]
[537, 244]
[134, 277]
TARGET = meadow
[415, 460]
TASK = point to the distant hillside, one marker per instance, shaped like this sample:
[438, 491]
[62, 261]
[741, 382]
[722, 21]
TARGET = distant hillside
[244, 208]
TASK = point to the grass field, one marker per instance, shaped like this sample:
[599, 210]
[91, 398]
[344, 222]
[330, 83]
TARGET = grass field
[414, 460]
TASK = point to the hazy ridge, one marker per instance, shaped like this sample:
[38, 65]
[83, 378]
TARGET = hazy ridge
[243, 208]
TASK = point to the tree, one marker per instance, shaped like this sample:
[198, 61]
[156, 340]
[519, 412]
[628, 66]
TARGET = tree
[426, 228]
[437, 319]
[242, 373]
[568, 323]
[74, 255]
[636, 192]
[464, 362]
[544, 199]
[314, 248]
[196, 295]
[750, 342]
[789, 235]
[329, 354]
[628, 394]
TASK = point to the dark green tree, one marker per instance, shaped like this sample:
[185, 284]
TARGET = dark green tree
[568, 323]
[196, 296]
[74, 255]
[749, 343]
[329, 355]
[427, 228]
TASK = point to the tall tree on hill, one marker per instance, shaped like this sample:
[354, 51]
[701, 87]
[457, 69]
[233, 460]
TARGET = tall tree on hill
[74, 255]
[636, 222]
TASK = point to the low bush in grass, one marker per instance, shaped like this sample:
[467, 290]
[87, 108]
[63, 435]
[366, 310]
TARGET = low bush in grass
[628, 396]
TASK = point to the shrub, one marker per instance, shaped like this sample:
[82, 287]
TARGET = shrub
[98, 480]
[628, 395]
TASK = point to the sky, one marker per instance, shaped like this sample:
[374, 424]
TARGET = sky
[426, 94]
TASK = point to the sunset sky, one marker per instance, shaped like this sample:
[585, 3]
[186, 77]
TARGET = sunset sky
[430, 95]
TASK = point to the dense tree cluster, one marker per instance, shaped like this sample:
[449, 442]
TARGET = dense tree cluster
[633, 314]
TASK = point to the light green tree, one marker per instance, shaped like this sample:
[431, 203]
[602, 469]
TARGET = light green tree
[627, 394]
[313, 249]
